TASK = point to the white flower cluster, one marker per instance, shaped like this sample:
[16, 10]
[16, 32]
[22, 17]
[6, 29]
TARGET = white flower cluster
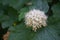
[35, 19]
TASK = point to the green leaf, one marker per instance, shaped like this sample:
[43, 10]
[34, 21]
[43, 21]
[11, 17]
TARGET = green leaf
[22, 13]
[56, 10]
[40, 4]
[23, 33]
[49, 0]
[56, 16]
[4, 2]
[1, 13]
[7, 23]
[9, 16]
[17, 4]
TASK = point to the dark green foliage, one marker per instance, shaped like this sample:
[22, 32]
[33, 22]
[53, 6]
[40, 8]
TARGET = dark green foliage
[12, 14]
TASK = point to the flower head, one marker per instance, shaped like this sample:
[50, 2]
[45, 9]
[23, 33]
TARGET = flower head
[35, 19]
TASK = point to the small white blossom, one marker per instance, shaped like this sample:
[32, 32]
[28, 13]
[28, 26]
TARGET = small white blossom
[35, 19]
